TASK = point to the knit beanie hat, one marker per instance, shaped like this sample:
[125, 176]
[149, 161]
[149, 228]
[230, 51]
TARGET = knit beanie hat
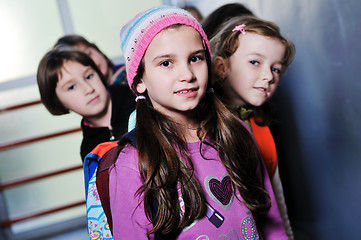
[137, 34]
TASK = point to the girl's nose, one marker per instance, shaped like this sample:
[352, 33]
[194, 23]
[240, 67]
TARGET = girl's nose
[267, 75]
[186, 73]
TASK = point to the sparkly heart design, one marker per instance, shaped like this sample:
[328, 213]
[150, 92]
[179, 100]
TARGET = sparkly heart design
[220, 190]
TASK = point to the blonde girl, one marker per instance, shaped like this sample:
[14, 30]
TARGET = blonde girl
[250, 56]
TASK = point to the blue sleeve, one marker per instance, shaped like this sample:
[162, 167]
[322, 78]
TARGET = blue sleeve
[90, 165]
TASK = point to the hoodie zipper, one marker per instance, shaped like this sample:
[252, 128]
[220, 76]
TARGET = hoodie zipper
[112, 137]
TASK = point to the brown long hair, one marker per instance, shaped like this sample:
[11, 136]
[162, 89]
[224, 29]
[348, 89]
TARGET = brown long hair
[164, 168]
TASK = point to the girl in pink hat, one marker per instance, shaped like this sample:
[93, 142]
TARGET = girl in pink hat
[193, 171]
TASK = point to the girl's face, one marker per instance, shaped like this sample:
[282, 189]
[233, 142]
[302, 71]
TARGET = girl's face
[176, 71]
[81, 90]
[252, 73]
[97, 58]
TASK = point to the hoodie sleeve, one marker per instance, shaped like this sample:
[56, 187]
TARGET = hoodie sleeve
[273, 228]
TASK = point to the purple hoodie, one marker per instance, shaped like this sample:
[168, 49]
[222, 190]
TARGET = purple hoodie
[227, 217]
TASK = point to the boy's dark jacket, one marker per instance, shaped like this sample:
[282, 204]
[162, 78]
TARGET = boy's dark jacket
[123, 104]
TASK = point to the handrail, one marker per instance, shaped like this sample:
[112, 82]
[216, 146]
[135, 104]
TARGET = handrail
[26, 141]
[35, 139]
[9, 222]
[27, 104]
[13, 183]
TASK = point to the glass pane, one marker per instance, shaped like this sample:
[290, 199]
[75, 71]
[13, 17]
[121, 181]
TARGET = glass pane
[21, 95]
[28, 30]
[45, 194]
[101, 23]
[34, 121]
[41, 157]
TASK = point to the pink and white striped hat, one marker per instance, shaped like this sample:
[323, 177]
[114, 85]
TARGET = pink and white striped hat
[137, 34]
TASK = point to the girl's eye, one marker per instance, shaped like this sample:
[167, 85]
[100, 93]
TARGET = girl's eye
[276, 70]
[254, 62]
[89, 76]
[71, 87]
[196, 58]
[166, 63]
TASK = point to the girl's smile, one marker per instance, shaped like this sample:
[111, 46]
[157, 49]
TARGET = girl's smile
[187, 92]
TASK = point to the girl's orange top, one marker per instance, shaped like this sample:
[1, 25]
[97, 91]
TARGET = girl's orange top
[266, 144]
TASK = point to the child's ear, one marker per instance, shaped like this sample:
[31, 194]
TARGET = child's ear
[141, 87]
[220, 66]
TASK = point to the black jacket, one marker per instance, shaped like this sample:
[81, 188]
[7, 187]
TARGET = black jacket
[123, 104]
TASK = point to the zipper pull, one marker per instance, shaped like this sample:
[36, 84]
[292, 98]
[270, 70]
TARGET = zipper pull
[112, 137]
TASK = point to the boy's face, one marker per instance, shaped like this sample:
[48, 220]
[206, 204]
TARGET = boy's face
[253, 71]
[81, 90]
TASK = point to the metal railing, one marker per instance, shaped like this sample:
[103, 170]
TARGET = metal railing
[5, 223]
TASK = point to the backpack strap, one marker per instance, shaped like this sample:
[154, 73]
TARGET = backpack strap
[91, 161]
[102, 179]
[102, 183]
